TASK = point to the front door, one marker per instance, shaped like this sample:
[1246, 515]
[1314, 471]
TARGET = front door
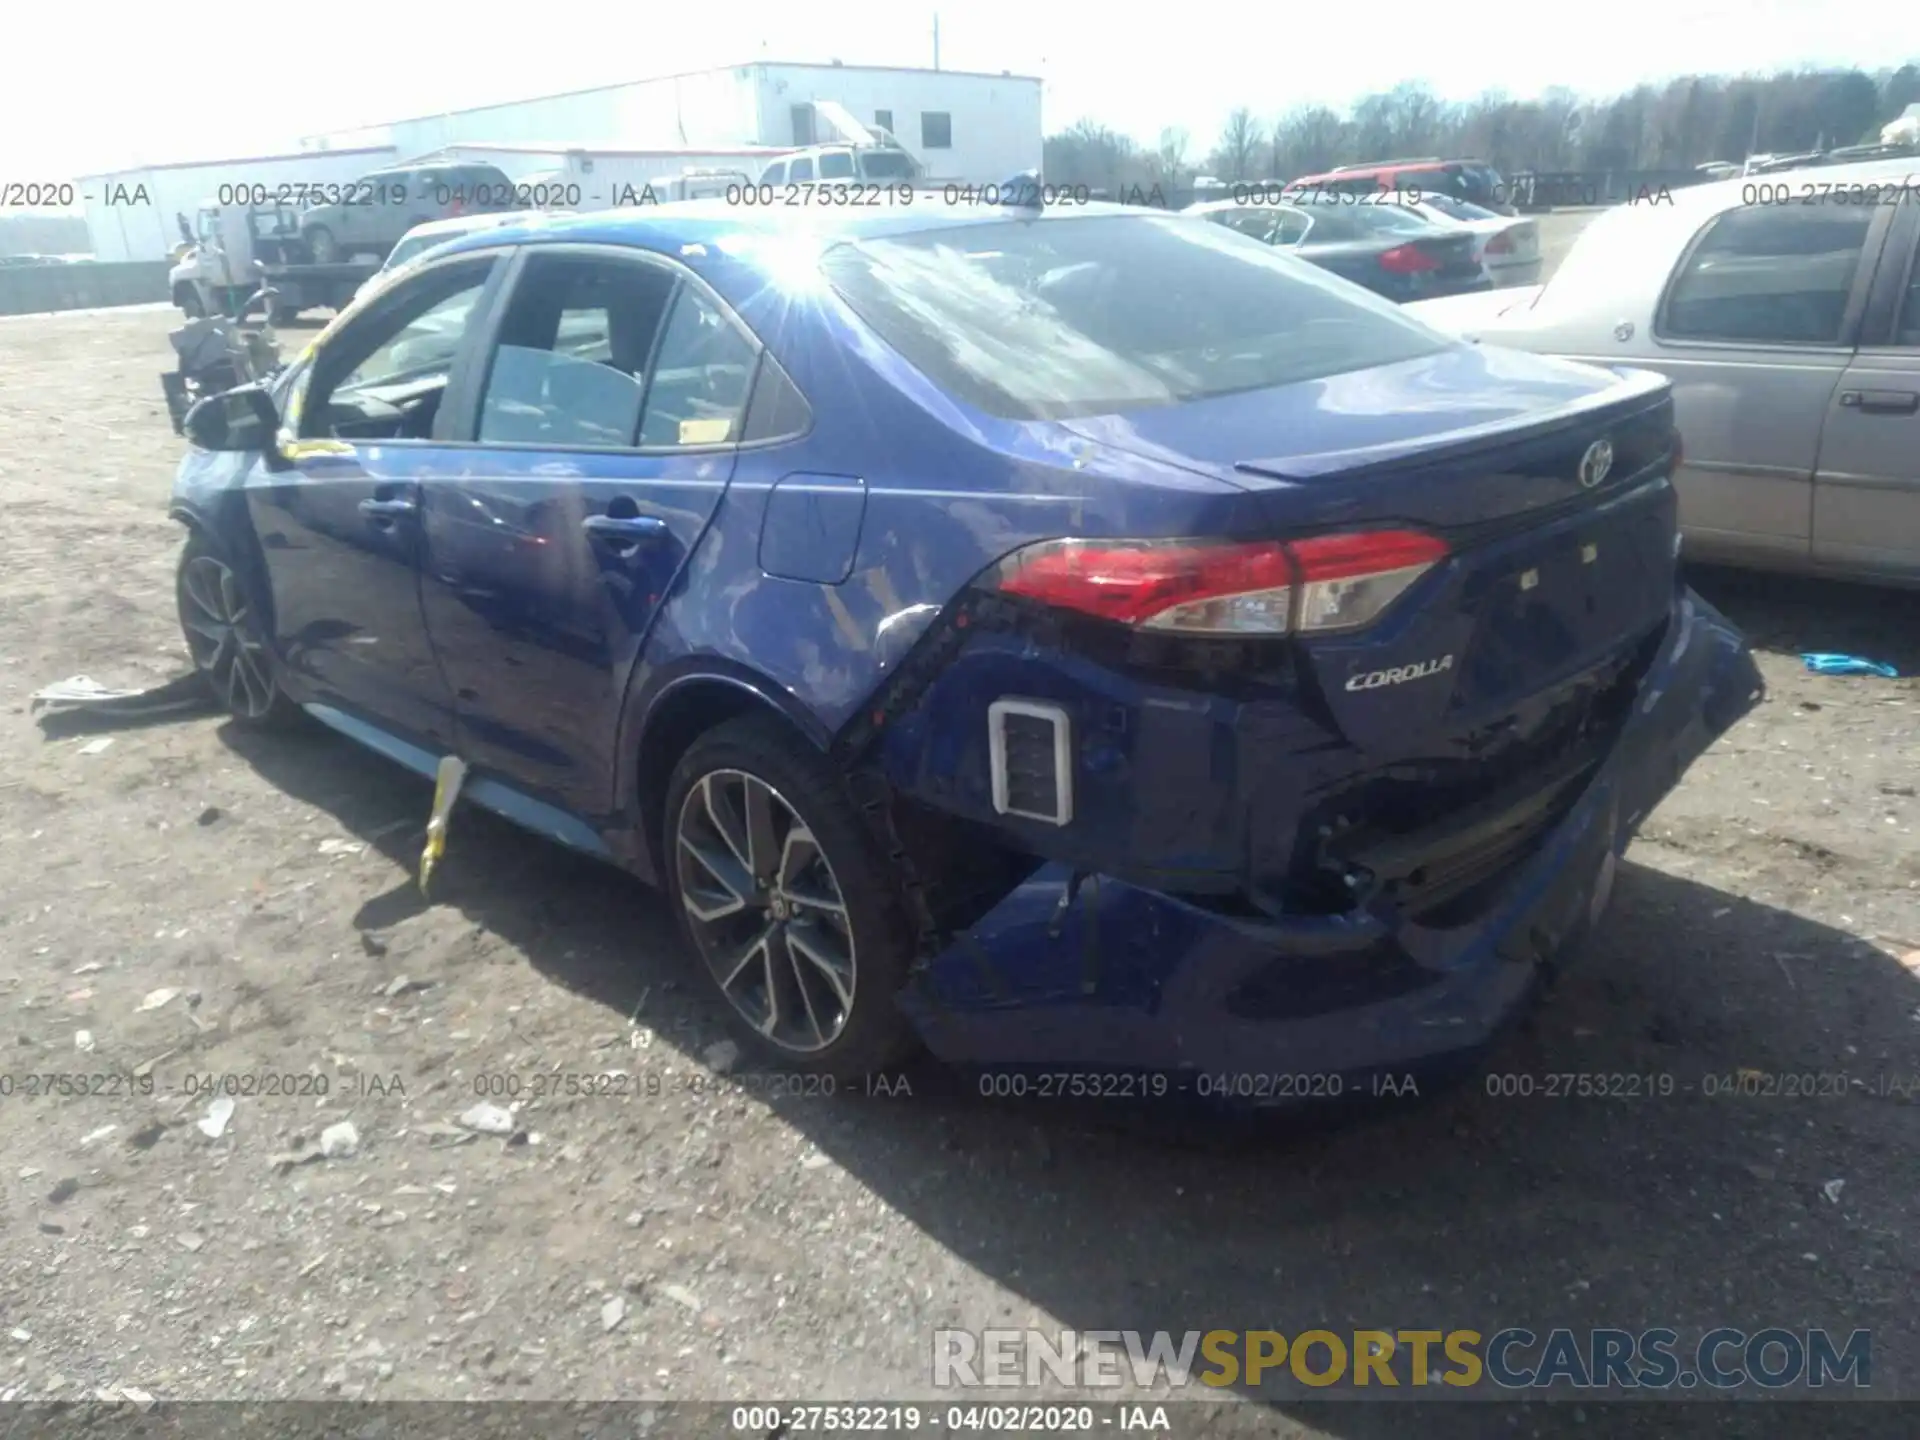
[340, 530]
[604, 426]
[1866, 495]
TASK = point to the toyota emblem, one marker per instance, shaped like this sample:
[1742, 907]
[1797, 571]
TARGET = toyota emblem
[1595, 464]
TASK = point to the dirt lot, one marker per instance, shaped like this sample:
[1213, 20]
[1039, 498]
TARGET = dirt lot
[697, 1246]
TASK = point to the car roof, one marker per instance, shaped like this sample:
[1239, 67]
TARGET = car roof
[462, 224]
[678, 224]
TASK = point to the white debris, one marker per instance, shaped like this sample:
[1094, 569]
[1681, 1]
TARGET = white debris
[340, 847]
[612, 1313]
[83, 1040]
[721, 1056]
[339, 1141]
[488, 1120]
[100, 1134]
[1832, 1190]
[214, 1123]
[97, 747]
[156, 998]
[23, 1336]
[680, 1295]
[191, 1240]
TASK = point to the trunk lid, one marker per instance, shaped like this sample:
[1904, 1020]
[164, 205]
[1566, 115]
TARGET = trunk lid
[1548, 576]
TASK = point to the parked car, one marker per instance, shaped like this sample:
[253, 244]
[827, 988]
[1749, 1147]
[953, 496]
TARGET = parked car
[1075, 637]
[1791, 330]
[1509, 246]
[1471, 180]
[374, 212]
[1380, 244]
[422, 238]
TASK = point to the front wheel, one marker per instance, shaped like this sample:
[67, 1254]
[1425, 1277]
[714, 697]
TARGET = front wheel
[226, 635]
[324, 248]
[781, 893]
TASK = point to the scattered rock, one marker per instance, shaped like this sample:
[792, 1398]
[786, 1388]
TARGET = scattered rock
[634, 1284]
[92, 967]
[438, 1132]
[97, 747]
[401, 985]
[209, 815]
[612, 1313]
[341, 847]
[23, 1336]
[141, 1398]
[815, 1161]
[147, 1136]
[145, 1067]
[156, 998]
[83, 1040]
[372, 944]
[64, 1191]
[488, 1120]
[214, 1124]
[636, 1218]
[191, 1241]
[47, 1227]
[339, 1140]
[721, 1056]
[100, 1134]
[1832, 1190]
[287, 1159]
[680, 1295]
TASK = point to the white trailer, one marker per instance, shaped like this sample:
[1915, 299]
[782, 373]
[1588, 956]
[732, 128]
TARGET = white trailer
[134, 214]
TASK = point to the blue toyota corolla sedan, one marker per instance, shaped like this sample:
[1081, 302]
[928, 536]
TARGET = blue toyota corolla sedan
[1082, 637]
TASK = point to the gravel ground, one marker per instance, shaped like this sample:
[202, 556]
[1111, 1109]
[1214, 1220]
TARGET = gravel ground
[195, 901]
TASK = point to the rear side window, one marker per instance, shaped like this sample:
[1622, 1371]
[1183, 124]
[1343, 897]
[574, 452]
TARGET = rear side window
[836, 165]
[1091, 315]
[569, 368]
[701, 378]
[1769, 275]
[1908, 332]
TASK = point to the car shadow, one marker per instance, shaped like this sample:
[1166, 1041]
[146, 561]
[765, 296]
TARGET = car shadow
[1499, 1203]
[1798, 615]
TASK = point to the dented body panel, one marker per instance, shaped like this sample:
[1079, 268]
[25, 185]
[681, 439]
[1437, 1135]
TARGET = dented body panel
[1311, 849]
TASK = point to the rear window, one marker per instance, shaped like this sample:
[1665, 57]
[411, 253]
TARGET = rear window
[1092, 315]
[1338, 222]
[886, 165]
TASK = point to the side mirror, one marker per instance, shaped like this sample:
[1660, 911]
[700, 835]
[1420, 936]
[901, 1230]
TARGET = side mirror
[236, 420]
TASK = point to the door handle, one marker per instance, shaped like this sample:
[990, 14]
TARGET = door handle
[624, 529]
[379, 510]
[1881, 402]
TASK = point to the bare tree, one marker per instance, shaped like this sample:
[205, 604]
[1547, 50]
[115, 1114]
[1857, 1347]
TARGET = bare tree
[1238, 142]
[1171, 153]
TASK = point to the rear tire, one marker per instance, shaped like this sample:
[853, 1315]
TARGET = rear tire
[780, 891]
[323, 247]
[226, 636]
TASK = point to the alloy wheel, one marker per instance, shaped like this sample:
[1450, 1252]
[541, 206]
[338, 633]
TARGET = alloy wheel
[223, 638]
[766, 911]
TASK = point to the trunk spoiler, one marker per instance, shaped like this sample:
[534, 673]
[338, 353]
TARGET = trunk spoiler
[1642, 386]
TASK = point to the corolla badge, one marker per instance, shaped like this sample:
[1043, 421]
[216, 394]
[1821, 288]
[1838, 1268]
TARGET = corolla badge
[1595, 464]
[1400, 674]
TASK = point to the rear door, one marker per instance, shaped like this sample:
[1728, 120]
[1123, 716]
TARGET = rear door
[1866, 493]
[1756, 326]
[601, 435]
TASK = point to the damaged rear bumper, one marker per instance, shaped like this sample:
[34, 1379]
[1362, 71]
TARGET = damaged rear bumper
[1108, 976]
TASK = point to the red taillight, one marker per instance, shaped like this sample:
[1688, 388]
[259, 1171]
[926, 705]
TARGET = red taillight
[1408, 260]
[1326, 583]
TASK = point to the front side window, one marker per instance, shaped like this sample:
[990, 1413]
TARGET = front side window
[1769, 275]
[800, 170]
[1091, 315]
[1908, 330]
[383, 376]
[936, 130]
[836, 165]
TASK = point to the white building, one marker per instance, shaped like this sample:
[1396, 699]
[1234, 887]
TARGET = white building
[960, 125]
[131, 213]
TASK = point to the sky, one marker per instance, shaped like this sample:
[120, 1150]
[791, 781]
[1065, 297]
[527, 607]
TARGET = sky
[89, 88]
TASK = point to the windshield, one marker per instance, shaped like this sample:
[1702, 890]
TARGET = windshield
[1087, 316]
